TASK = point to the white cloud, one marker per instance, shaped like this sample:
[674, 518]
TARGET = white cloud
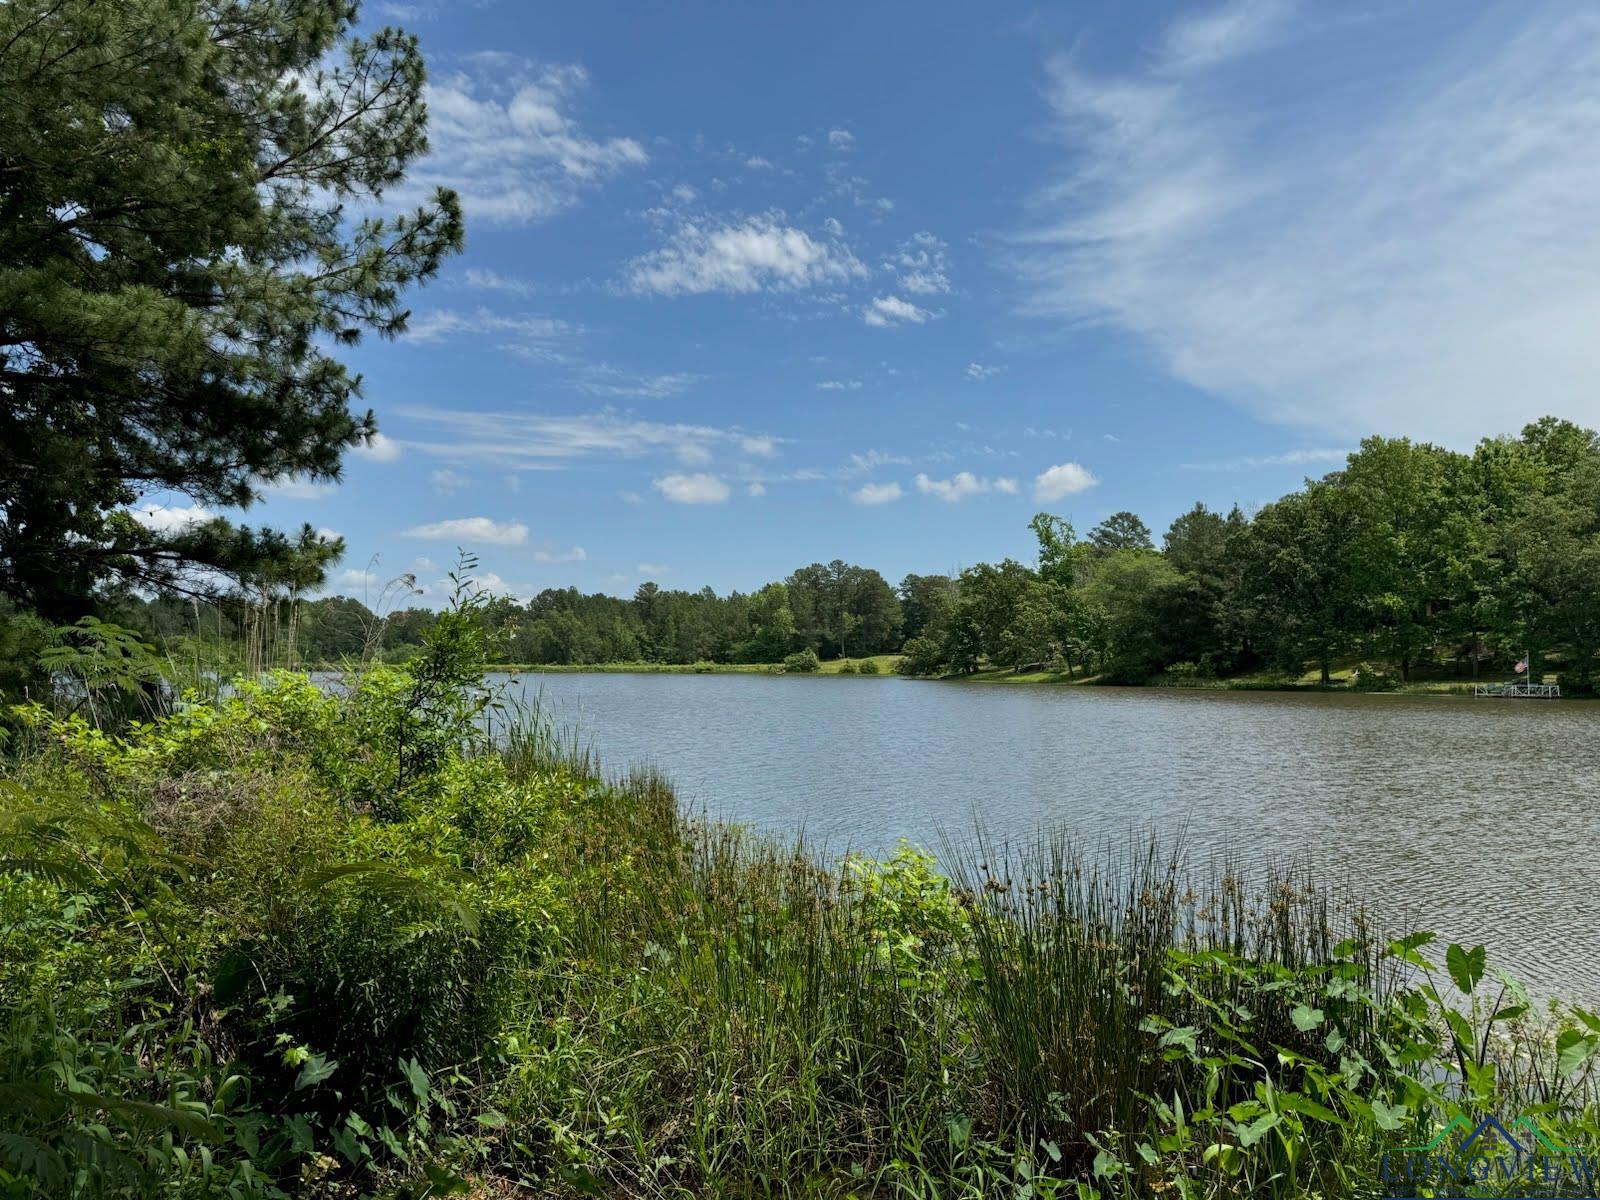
[1417, 255]
[1064, 479]
[576, 554]
[756, 489]
[473, 530]
[892, 310]
[379, 448]
[876, 493]
[329, 535]
[168, 519]
[630, 497]
[839, 385]
[961, 485]
[921, 265]
[1007, 485]
[503, 135]
[653, 569]
[759, 447]
[978, 372]
[699, 488]
[756, 163]
[841, 139]
[752, 255]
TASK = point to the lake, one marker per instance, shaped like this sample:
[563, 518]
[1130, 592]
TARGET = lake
[1472, 817]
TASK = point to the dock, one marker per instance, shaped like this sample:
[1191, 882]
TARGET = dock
[1520, 691]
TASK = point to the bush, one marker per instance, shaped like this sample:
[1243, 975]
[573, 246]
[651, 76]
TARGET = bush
[847, 668]
[1370, 677]
[869, 666]
[803, 662]
[922, 656]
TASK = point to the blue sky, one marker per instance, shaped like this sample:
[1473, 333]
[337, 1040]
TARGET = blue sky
[749, 286]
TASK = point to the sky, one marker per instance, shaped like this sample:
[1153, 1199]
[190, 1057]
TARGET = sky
[752, 286]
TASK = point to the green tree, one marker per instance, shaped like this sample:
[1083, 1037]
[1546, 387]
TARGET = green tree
[1062, 558]
[1127, 587]
[1412, 536]
[1301, 577]
[1543, 512]
[772, 630]
[1120, 531]
[181, 250]
[925, 604]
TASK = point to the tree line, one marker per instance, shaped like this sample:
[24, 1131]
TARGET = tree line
[1412, 560]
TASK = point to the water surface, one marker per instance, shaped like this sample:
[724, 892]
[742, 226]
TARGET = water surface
[1474, 818]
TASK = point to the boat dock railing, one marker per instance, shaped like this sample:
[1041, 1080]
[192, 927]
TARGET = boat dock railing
[1525, 691]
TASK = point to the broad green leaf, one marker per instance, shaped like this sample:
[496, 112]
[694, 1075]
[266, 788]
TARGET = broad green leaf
[1305, 1017]
[1465, 966]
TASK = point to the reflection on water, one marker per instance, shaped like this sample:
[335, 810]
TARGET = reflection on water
[1474, 818]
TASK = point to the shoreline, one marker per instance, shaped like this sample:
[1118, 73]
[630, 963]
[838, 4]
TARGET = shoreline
[1004, 676]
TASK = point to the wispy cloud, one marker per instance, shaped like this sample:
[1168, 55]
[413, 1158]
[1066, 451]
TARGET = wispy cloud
[575, 554]
[978, 372]
[471, 531]
[447, 482]
[1417, 255]
[753, 254]
[524, 333]
[485, 280]
[504, 135]
[1287, 458]
[838, 385]
[544, 441]
[604, 380]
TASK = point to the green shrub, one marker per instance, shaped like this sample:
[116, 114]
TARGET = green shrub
[802, 662]
[922, 656]
[1372, 677]
[847, 668]
[868, 666]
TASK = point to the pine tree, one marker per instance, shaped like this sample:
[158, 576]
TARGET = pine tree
[189, 229]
